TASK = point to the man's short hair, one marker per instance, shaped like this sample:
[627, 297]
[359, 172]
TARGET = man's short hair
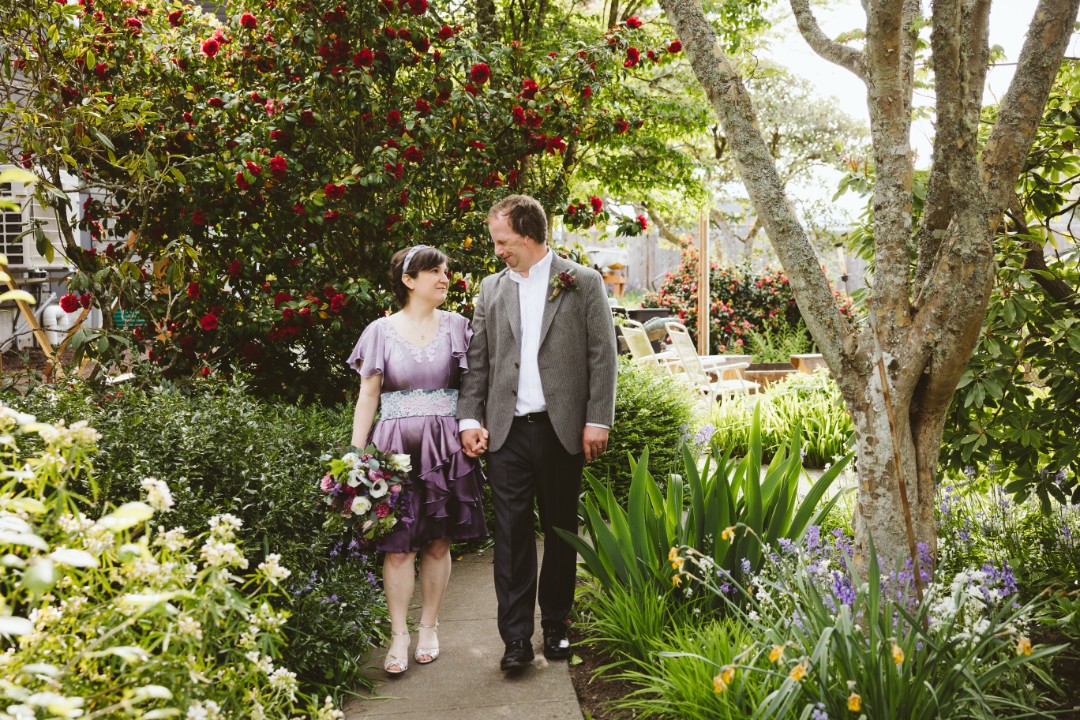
[525, 214]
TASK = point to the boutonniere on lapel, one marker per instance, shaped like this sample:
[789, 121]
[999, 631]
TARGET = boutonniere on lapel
[563, 281]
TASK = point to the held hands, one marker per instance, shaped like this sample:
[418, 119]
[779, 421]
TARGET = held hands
[474, 442]
[595, 440]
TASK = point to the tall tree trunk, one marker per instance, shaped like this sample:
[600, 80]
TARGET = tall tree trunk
[898, 373]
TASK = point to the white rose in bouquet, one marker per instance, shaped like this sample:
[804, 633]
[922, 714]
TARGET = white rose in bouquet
[401, 463]
[360, 505]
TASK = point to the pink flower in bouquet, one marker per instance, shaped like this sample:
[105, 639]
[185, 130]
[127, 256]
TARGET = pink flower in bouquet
[327, 483]
[382, 510]
[395, 488]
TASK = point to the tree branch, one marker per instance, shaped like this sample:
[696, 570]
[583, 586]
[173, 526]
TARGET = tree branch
[723, 86]
[835, 52]
[1021, 108]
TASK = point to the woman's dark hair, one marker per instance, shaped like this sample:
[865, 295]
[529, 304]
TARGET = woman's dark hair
[525, 215]
[425, 258]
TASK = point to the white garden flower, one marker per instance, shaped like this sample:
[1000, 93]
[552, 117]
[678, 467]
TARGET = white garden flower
[379, 488]
[59, 705]
[204, 710]
[173, 540]
[264, 663]
[188, 625]
[157, 494]
[360, 505]
[284, 681]
[225, 525]
[61, 436]
[329, 711]
[218, 553]
[272, 569]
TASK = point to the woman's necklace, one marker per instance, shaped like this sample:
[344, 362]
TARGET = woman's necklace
[425, 331]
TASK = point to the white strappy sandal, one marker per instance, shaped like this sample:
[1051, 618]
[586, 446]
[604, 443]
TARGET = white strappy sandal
[431, 653]
[401, 664]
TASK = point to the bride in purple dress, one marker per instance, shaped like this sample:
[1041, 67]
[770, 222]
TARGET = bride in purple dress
[410, 365]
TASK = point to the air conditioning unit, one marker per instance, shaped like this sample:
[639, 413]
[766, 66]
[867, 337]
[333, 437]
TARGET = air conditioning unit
[20, 246]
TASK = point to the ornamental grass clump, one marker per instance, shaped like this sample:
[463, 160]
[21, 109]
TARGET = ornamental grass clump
[837, 644]
[111, 615]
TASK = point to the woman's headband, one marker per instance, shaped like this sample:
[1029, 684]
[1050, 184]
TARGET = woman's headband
[409, 256]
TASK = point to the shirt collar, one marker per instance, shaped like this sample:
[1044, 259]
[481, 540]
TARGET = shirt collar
[541, 269]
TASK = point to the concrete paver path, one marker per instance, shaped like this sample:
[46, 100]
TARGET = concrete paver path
[465, 683]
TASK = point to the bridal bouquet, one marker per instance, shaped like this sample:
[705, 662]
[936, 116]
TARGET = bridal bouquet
[366, 489]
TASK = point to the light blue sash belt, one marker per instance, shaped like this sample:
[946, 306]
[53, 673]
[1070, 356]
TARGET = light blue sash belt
[416, 403]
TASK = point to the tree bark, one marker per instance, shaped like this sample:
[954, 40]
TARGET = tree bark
[922, 324]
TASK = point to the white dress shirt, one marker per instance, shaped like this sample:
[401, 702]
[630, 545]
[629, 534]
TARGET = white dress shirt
[532, 299]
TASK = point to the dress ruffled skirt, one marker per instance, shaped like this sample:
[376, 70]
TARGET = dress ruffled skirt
[444, 498]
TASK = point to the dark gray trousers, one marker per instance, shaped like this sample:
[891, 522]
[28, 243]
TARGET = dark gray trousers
[532, 463]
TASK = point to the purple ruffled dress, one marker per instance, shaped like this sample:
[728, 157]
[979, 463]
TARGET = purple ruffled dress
[419, 396]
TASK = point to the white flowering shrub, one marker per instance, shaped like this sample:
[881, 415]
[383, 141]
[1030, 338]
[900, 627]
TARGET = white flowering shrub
[117, 617]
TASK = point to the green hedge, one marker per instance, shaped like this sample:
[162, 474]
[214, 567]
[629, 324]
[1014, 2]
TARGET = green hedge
[223, 451]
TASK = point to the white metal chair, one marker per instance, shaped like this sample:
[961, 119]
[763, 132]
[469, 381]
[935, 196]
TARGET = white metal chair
[729, 380]
[637, 340]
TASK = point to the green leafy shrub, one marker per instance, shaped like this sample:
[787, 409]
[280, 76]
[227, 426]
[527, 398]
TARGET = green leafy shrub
[776, 343]
[811, 401]
[225, 451]
[651, 410]
[110, 617]
[631, 545]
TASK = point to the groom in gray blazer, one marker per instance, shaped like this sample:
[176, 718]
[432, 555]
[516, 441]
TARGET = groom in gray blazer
[541, 381]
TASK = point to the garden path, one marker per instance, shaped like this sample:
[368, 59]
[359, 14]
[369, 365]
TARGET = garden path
[465, 682]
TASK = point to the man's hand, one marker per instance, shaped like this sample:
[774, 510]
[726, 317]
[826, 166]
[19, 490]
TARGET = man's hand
[474, 442]
[594, 439]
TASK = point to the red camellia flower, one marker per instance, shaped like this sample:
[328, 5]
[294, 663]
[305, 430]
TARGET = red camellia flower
[278, 136]
[307, 117]
[84, 300]
[278, 165]
[287, 314]
[529, 88]
[337, 303]
[422, 106]
[134, 23]
[674, 47]
[446, 32]
[621, 126]
[187, 118]
[633, 22]
[334, 192]
[241, 181]
[652, 56]
[395, 169]
[471, 89]
[478, 145]
[421, 44]
[393, 118]
[586, 92]
[555, 145]
[194, 291]
[252, 167]
[69, 303]
[414, 154]
[209, 322]
[480, 73]
[101, 69]
[597, 204]
[364, 58]
[215, 102]
[519, 115]
[247, 20]
[643, 222]
[234, 268]
[633, 56]
[403, 198]
[281, 298]
[210, 47]
[176, 18]
[418, 7]
[330, 216]
[198, 217]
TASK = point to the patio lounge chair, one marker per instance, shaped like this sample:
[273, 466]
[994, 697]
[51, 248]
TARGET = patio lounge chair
[637, 340]
[729, 380]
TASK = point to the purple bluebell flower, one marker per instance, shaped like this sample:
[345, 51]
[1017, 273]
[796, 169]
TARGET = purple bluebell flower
[819, 713]
[813, 537]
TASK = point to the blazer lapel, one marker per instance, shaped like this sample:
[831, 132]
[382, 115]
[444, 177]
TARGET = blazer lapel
[550, 306]
[508, 299]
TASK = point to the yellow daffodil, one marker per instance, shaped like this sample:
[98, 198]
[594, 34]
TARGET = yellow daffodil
[854, 702]
[1023, 645]
[897, 654]
[798, 673]
[677, 563]
[776, 653]
[672, 554]
[676, 580]
[728, 674]
[718, 684]
[728, 534]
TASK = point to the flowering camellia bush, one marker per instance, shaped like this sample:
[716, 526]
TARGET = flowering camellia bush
[248, 182]
[118, 617]
[741, 302]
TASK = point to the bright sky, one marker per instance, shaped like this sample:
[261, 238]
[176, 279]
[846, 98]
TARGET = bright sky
[1009, 20]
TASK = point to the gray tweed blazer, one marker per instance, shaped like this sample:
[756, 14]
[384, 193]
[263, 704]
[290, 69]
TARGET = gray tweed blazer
[576, 359]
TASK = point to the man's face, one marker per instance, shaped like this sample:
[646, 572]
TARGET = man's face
[517, 251]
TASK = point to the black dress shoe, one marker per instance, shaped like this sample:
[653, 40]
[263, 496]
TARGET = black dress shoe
[556, 644]
[519, 654]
